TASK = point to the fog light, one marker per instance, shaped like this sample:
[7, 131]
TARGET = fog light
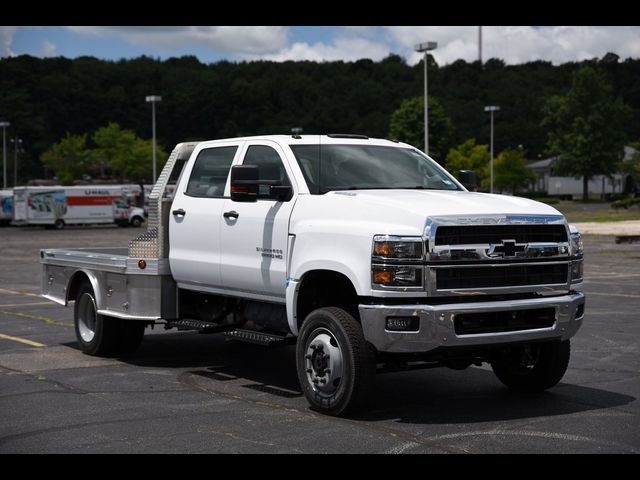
[402, 324]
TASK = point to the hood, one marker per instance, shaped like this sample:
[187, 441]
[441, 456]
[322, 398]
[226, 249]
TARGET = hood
[400, 212]
[440, 202]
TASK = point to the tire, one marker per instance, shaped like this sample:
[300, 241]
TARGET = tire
[97, 335]
[534, 367]
[136, 222]
[336, 366]
[58, 224]
[131, 335]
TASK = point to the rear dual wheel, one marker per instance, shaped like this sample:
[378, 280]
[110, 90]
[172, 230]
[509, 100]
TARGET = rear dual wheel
[101, 335]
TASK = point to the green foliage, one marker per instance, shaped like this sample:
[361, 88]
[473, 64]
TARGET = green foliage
[510, 171]
[44, 98]
[407, 125]
[121, 151]
[69, 158]
[587, 126]
[626, 203]
[469, 156]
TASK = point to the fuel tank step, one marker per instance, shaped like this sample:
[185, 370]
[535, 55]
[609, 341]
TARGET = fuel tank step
[260, 338]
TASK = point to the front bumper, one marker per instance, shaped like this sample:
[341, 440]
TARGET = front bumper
[437, 323]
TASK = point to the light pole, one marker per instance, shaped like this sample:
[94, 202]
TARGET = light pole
[17, 145]
[153, 99]
[4, 126]
[491, 109]
[425, 47]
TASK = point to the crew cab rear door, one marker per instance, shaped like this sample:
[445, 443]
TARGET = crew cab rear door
[254, 235]
[196, 215]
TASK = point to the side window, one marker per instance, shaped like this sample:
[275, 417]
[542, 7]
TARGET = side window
[269, 165]
[210, 172]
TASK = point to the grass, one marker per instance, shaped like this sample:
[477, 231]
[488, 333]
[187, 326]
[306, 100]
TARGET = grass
[595, 212]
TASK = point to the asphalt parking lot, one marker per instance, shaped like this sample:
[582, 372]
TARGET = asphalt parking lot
[188, 393]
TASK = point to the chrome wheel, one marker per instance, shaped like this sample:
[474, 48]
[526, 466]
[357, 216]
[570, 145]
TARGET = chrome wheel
[323, 362]
[87, 320]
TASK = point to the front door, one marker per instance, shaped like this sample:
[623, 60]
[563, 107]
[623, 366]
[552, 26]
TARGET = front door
[195, 217]
[254, 236]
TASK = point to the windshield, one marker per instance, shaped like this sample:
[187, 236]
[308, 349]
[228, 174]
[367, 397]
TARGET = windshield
[360, 167]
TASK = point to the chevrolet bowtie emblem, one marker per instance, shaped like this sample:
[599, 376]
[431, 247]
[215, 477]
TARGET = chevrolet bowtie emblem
[506, 249]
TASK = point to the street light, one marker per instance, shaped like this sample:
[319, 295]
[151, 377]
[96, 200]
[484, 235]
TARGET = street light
[153, 99]
[425, 47]
[17, 145]
[491, 108]
[4, 126]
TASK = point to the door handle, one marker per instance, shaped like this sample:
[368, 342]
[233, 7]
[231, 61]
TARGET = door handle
[232, 214]
[180, 212]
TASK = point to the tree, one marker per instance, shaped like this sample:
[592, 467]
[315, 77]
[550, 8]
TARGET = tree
[510, 171]
[469, 156]
[69, 158]
[128, 155]
[407, 125]
[586, 127]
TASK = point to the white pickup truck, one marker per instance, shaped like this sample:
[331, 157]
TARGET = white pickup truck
[364, 252]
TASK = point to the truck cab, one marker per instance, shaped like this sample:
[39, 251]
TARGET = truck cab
[364, 252]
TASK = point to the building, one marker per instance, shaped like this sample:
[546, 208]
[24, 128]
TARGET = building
[600, 186]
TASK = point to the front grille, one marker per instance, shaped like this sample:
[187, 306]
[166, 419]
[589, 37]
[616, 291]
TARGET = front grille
[506, 321]
[474, 234]
[475, 276]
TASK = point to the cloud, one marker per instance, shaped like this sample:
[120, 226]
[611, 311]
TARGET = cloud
[232, 39]
[48, 49]
[6, 38]
[519, 44]
[347, 49]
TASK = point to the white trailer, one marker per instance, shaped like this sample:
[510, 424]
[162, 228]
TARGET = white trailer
[57, 206]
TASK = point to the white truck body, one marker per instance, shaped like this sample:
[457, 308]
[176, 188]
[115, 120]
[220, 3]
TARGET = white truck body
[74, 205]
[423, 272]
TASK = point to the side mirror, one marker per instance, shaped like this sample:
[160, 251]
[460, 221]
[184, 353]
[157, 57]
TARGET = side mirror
[468, 179]
[245, 182]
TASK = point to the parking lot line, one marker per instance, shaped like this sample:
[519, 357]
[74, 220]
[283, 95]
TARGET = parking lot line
[626, 295]
[30, 304]
[22, 340]
[19, 292]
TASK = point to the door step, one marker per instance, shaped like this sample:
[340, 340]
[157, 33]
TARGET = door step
[200, 325]
[260, 338]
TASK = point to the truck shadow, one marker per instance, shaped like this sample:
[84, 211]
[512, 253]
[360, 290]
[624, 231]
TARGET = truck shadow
[435, 396]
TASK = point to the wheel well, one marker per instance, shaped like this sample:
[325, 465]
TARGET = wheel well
[74, 285]
[325, 288]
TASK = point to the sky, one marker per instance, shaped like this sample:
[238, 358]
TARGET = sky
[513, 44]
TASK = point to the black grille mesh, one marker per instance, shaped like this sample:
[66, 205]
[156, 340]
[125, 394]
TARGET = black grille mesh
[470, 234]
[475, 276]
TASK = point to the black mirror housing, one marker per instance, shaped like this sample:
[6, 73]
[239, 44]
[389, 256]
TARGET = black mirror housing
[468, 179]
[245, 182]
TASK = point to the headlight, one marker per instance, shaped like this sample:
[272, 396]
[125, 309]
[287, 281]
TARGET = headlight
[389, 247]
[396, 276]
[577, 271]
[576, 244]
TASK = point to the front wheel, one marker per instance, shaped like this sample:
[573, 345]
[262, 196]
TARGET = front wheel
[336, 366]
[533, 367]
[136, 222]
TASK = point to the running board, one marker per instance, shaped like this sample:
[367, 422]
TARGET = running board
[200, 325]
[260, 338]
